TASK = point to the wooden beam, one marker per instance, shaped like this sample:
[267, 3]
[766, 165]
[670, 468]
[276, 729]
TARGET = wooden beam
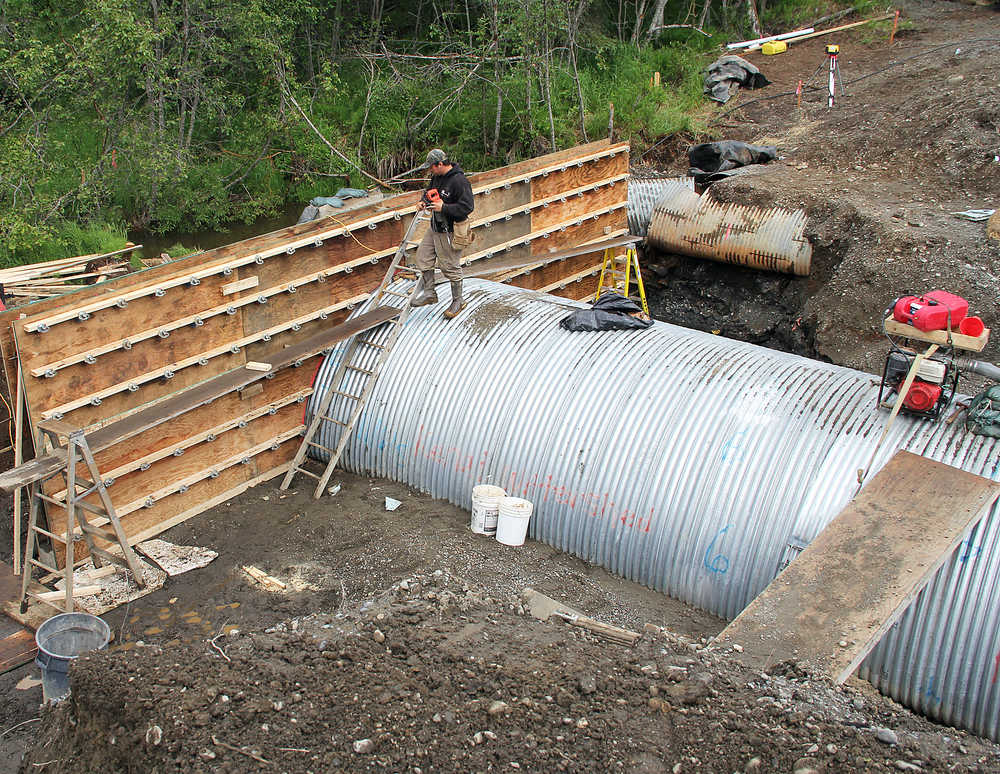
[542, 233]
[198, 359]
[944, 338]
[243, 284]
[836, 600]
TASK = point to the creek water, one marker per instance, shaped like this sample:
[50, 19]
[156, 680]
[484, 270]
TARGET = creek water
[153, 244]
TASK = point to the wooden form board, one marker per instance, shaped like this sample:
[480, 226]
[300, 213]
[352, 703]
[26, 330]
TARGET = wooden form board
[836, 600]
[106, 351]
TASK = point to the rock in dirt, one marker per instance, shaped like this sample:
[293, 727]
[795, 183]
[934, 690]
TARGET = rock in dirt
[363, 746]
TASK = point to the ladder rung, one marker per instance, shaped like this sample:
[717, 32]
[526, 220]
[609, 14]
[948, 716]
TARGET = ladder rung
[331, 419]
[45, 567]
[312, 475]
[99, 510]
[50, 535]
[347, 395]
[51, 500]
[321, 446]
[102, 533]
[371, 344]
[359, 370]
[108, 556]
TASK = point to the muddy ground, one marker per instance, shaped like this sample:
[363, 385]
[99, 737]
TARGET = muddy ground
[448, 674]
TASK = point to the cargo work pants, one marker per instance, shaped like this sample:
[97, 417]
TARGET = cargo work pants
[437, 246]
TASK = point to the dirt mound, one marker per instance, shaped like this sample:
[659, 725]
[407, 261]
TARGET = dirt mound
[434, 675]
[914, 138]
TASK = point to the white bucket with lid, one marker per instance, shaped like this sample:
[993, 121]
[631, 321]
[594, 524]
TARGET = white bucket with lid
[485, 508]
[512, 521]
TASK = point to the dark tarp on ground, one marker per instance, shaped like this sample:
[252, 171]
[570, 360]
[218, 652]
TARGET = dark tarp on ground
[611, 312]
[714, 160]
[727, 73]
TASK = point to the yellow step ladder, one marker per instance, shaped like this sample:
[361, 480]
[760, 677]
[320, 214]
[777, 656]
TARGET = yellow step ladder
[618, 272]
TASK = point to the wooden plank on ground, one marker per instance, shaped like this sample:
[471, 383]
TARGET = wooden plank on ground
[17, 649]
[836, 600]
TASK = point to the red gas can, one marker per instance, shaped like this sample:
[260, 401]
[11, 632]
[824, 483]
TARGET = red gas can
[931, 311]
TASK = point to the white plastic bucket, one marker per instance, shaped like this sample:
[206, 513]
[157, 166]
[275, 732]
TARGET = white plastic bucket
[512, 523]
[485, 506]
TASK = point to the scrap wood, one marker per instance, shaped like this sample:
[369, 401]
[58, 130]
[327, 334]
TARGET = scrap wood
[78, 591]
[603, 630]
[175, 559]
[262, 577]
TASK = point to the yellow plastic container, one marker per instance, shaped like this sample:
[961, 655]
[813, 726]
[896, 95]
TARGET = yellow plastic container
[774, 47]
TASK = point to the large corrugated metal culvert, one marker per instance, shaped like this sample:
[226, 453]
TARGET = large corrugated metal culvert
[691, 463]
[769, 238]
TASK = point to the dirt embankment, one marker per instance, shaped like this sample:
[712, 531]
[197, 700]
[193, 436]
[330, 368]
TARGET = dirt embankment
[436, 675]
[913, 138]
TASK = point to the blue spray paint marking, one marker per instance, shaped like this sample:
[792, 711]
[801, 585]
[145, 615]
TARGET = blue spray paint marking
[971, 551]
[731, 449]
[930, 689]
[718, 564]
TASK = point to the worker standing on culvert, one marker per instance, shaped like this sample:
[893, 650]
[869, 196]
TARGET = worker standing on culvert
[449, 195]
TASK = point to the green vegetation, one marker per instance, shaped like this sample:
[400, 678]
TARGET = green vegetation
[189, 114]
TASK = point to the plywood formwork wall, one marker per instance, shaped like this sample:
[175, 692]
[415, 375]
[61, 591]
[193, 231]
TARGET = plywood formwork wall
[108, 350]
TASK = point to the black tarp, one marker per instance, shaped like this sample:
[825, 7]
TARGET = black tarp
[611, 312]
[727, 73]
[715, 160]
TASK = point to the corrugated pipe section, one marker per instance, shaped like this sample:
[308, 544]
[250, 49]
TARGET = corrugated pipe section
[643, 194]
[771, 239]
[715, 464]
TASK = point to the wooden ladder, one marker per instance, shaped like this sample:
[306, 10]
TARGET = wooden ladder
[76, 506]
[617, 273]
[363, 343]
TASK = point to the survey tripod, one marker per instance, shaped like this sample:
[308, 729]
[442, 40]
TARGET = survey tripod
[834, 78]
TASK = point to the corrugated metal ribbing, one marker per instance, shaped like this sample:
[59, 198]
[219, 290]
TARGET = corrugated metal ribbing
[771, 239]
[680, 460]
[643, 194]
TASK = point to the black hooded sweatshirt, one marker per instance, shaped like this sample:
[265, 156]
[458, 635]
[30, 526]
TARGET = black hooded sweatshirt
[456, 193]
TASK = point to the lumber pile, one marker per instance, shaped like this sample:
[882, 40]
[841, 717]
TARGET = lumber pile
[24, 284]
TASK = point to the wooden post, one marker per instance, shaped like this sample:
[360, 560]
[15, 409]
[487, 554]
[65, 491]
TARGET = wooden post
[18, 459]
[895, 24]
[798, 95]
[611, 122]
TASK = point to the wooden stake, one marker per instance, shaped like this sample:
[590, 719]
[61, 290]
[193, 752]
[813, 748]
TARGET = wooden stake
[895, 24]
[18, 459]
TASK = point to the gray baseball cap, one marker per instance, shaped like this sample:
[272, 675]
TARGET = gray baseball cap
[436, 156]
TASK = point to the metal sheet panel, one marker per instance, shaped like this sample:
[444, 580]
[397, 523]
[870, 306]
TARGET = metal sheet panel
[761, 238]
[684, 461]
[644, 193]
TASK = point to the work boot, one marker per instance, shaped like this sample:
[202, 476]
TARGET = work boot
[457, 304]
[426, 294]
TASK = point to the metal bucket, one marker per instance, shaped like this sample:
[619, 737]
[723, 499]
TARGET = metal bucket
[60, 640]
